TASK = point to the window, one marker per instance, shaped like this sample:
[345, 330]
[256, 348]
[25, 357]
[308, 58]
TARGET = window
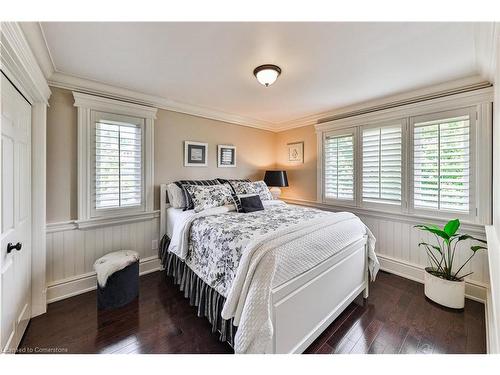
[441, 164]
[339, 167]
[115, 160]
[430, 159]
[382, 158]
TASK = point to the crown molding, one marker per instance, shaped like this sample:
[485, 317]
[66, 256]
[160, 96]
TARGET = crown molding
[87, 86]
[20, 64]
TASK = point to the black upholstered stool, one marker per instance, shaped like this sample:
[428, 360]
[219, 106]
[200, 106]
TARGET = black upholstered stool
[121, 288]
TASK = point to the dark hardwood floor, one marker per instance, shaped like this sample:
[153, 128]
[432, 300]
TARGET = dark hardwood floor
[396, 318]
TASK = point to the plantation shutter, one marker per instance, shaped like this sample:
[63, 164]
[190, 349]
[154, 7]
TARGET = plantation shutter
[382, 150]
[441, 164]
[118, 165]
[339, 167]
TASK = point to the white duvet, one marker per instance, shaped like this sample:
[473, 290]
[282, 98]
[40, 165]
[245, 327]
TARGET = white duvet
[271, 259]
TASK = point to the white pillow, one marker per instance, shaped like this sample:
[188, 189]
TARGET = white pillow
[205, 197]
[175, 196]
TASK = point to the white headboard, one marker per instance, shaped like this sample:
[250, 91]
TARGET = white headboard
[163, 209]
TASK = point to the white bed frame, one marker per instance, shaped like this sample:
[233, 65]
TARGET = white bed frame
[306, 305]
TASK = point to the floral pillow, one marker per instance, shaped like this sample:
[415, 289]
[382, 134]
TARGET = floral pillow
[241, 187]
[252, 188]
[187, 201]
[205, 197]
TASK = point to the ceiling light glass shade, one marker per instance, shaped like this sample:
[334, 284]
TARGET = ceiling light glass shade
[267, 74]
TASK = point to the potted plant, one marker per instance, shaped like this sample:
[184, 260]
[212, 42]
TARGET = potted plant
[443, 281]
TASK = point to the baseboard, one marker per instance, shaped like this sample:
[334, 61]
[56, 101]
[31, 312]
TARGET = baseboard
[473, 290]
[73, 286]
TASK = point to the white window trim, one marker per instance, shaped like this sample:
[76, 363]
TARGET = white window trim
[481, 100]
[87, 106]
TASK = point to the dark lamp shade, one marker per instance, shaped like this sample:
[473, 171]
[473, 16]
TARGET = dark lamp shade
[276, 179]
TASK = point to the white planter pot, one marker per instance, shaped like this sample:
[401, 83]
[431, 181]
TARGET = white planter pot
[445, 292]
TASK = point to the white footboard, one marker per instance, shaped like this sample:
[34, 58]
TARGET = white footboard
[306, 305]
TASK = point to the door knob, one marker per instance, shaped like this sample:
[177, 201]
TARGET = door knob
[11, 247]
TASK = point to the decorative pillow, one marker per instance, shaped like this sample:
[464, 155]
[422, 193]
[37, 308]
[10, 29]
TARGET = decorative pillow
[205, 197]
[175, 196]
[188, 202]
[242, 187]
[261, 188]
[251, 203]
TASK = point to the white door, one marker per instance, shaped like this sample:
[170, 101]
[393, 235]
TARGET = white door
[15, 250]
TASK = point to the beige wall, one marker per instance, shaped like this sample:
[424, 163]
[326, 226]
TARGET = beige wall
[301, 177]
[254, 148]
[61, 157]
[255, 152]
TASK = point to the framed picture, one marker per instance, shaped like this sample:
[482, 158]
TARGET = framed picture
[226, 156]
[195, 154]
[296, 152]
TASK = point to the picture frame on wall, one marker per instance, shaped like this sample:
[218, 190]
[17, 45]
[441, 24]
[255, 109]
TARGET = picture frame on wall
[296, 152]
[195, 154]
[226, 156]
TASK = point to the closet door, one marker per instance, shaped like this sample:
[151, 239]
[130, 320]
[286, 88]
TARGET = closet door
[15, 249]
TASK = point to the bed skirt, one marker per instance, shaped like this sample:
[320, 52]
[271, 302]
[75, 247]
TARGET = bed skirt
[208, 301]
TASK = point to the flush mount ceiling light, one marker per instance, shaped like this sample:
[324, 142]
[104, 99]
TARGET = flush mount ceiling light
[267, 74]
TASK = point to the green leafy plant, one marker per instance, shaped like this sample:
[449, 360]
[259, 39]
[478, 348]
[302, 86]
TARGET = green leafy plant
[442, 254]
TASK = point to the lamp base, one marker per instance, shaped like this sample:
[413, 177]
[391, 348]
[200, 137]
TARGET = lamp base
[275, 192]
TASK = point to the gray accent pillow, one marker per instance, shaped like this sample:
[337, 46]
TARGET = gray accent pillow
[251, 203]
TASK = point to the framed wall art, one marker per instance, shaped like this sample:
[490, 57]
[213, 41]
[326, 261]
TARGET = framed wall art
[226, 156]
[195, 154]
[296, 152]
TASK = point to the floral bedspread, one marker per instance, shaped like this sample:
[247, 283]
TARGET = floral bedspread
[216, 242]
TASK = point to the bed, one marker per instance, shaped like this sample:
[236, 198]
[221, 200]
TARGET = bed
[269, 281]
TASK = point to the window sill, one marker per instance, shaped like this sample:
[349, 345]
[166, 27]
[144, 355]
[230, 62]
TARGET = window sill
[102, 222]
[116, 220]
[412, 219]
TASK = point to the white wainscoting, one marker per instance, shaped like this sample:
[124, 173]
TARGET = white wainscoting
[398, 251]
[71, 253]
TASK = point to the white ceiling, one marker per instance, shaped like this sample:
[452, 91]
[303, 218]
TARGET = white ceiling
[324, 65]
